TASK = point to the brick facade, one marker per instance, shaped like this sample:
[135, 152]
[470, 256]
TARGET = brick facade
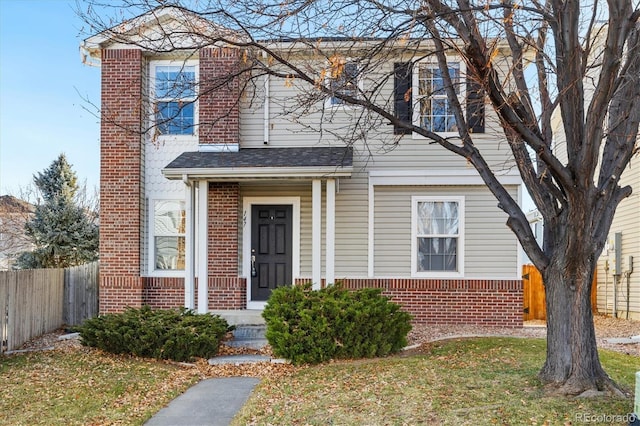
[496, 303]
[226, 290]
[120, 187]
[219, 96]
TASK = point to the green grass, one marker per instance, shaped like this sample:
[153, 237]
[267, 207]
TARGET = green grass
[85, 387]
[483, 381]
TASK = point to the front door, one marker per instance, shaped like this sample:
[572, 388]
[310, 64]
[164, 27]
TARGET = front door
[271, 249]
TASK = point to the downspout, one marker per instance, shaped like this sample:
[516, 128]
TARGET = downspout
[628, 275]
[606, 286]
[265, 139]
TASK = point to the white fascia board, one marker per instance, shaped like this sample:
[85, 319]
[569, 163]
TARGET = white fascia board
[257, 173]
[436, 177]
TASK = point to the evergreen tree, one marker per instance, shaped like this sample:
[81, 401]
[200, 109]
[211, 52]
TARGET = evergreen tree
[61, 230]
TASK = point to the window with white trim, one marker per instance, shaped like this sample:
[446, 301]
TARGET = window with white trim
[437, 236]
[344, 79]
[432, 109]
[174, 93]
[169, 222]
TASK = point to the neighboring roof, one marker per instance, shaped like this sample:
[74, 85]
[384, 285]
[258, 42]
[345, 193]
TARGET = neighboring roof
[11, 204]
[252, 163]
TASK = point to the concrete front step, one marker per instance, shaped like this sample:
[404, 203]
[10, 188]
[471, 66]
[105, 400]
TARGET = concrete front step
[239, 359]
[248, 332]
[247, 343]
[241, 316]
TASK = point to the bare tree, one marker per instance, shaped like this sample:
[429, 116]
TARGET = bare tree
[531, 62]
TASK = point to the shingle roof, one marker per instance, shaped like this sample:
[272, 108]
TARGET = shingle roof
[266, 157]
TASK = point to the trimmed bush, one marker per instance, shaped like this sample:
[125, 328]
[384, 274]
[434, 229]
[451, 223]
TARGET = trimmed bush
[179, 335]
[309, 326]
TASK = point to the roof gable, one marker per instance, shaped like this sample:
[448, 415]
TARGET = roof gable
[162, 30]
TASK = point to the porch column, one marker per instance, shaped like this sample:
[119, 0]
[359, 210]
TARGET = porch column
[330, 232]
[190, 247]
[316, 234]
[203, 253]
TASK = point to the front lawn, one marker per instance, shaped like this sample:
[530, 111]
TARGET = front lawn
[481, 381]
[484, 381]
[86, 386]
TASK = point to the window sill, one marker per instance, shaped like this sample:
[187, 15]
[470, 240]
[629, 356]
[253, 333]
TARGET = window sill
[443, 274]
[447, 135]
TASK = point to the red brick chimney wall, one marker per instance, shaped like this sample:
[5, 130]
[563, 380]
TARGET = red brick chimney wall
[120, 182]
[218, 104]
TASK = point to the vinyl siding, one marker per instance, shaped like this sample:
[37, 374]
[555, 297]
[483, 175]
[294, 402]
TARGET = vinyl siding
[490, 248]
[320, 126]
[626, 221]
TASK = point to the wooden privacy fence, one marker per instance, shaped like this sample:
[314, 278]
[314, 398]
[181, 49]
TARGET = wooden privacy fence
[37, 301]
[534, 299]
[80, 293]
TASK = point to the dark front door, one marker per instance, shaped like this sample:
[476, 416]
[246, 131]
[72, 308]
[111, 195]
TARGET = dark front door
[271, 241]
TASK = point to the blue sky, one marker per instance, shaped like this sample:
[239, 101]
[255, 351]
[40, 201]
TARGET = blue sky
[43, 86]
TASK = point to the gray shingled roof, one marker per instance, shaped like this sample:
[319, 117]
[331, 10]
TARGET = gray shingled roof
[265, 157]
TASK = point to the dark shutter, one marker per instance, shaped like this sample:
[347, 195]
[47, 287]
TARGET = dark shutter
[402, 95]
[475, 107]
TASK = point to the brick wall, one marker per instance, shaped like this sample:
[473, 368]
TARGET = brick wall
[226, 290]
[163, 292]
[223, 229]
[219, 95]
[495, 303]
[120, 191]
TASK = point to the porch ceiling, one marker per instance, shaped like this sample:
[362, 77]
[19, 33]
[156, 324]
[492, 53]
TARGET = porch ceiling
[263, 163]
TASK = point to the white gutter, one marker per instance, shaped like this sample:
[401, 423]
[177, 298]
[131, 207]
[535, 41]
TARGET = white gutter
[257, 173]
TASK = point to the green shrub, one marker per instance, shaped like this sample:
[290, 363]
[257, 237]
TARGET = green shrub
[178, 334]
[308, 326]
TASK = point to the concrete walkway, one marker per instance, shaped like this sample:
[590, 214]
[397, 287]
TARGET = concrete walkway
[211, 402]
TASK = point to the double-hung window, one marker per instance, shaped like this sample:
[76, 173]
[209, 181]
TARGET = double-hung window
[437, 236]
[169, 221]
[174, 90]
[344, 79]
[432, 109]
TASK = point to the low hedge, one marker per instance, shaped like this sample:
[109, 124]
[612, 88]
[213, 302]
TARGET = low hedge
[179, 334]
[313, 326]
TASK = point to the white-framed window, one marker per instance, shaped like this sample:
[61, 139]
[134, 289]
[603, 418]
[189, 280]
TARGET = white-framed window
[431, 107]
[174, 93]
[343, 77]
[168, 226]
[437, 233]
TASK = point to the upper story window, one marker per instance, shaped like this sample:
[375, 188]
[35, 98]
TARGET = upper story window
[437, 236]
[344, 79]
[174, 90]
[432, 110]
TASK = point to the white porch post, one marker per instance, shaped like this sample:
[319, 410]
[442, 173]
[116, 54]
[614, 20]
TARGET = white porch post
[203, 252]
[316, 234]
[190, 248]
[330, 232]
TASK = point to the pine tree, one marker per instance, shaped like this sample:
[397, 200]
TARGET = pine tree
[61, 231]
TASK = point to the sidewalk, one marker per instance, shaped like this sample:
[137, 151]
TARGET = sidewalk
[211, 402]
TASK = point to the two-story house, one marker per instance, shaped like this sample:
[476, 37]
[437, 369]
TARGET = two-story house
[213, 195]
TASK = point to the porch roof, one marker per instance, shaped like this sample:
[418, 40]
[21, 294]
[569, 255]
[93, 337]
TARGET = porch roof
[262, 163]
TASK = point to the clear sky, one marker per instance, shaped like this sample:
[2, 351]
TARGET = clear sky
[43, 87]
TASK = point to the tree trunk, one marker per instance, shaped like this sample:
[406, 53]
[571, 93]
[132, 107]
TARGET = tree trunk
[572, 366]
